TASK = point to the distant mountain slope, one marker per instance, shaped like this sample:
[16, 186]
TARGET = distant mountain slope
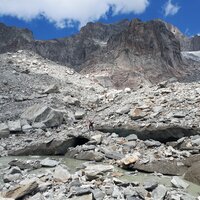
[121, 54]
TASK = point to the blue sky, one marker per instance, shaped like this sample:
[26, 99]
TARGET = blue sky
[49, 19]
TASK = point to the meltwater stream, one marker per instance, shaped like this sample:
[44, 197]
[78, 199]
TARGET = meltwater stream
[74, 164]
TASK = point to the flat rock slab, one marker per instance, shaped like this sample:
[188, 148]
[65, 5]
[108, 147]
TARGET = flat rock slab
[93, 171]
[161, 166]
[49, 163]
[179, 183]
[52, 147]
[21, 190]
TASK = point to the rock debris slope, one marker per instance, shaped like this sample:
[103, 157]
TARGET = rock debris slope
[45, 108]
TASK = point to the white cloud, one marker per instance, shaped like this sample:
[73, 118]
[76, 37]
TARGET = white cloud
[170, 8]
[65, 12]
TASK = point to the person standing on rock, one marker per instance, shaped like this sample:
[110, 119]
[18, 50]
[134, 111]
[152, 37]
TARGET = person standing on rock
[91, 125]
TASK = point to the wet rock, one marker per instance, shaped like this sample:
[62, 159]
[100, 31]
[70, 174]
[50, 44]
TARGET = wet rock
[4, 130]
[128, 160]
[14, 126]
[93, 171]
[49, 163]
[51, 89]
[150, 185]
[193, 174]
[161, 166]
[90, 156]
[21, 190]
[179, 183]
[43, 114]
[61, 175]
[159, 193]
[25, 164]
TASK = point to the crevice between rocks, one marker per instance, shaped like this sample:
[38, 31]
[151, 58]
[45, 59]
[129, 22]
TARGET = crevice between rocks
[162, 134]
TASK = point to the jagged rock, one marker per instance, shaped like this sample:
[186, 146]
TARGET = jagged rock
[179, 183]
[51, 89]
[4, 130]
[61, 175]
[21, 190]
[159, 193]
[97, 138]
[193, 174]
[191, 160]
[25, 164]
[150, 185]
[43, 114]
[15, 170]
[14, 126]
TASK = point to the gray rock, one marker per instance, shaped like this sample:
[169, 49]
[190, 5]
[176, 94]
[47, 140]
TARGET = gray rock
[79, 114]
[196, 142]
[71, 100]
[123, 110]
[114, 155]
[51, 89]
[98, 194]
[179, 183]
[152, 143]
[83, 197]
[159, 193]
[15, 170]
[150, 185]
[43, 114]
[37, 196]
[49, 163]
[21, 190]
[4, 130]
[90, 156]
[132, 137]
[93, 171]
[193, 174]
[11, 177]
[14, 126]
[136, 113]
[61, 175]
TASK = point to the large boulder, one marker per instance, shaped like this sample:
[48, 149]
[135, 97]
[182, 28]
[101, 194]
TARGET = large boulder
[14, 126]
[40, 113]
[52, 147]
[161, 166]
[193, 174]
[4, 130]
[21, 190]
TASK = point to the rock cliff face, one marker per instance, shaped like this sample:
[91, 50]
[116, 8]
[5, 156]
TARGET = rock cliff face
[121, 54]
